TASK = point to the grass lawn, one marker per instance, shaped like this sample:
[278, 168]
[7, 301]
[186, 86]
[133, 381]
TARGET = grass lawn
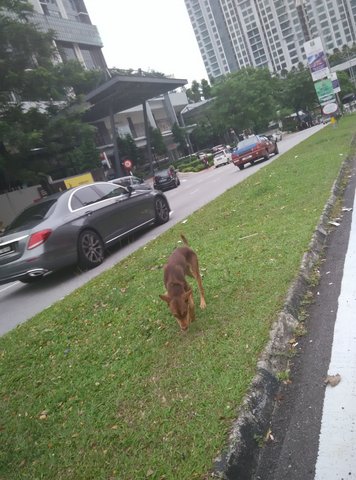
[103, 385]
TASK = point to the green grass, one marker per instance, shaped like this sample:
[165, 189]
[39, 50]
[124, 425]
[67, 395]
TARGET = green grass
[103, 385]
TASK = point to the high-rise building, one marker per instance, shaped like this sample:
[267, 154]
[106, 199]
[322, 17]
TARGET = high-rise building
[75, 36]
[233, 34]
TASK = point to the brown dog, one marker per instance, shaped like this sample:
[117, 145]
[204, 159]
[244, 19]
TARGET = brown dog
[179, 296]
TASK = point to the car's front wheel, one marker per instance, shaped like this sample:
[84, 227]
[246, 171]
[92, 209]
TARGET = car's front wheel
[241, 167]
[161, 210]
[91, 250]
[276, 150]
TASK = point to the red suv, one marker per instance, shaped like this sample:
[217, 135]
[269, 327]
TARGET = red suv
[253, 148]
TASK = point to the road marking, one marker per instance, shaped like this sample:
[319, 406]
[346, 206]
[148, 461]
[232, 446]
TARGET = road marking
[9, 286]
[194, 191]
[337, 446]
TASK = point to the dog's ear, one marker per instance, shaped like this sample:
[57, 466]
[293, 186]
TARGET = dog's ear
[165, 298]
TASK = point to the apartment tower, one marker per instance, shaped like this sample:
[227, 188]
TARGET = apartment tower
[75, 36]
[233, 34]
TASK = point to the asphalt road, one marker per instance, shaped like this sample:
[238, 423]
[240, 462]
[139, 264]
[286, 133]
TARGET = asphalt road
[19, 302]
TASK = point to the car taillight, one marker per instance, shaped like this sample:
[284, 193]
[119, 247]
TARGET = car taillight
[36, 239]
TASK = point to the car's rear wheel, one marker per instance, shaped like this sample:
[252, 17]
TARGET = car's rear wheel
[161, 210]
[266, 156]
[241, 167]
[91, 250]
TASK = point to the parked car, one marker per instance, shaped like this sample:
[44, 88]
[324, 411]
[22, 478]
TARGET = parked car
[222, 158]
[75, 226]
[166, 179]
[252, 149]
[132, 181]
[275, 136]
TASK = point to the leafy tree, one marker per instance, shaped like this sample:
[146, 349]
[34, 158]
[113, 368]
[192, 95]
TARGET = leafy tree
[245, 99]
[205, 135]
[345, 83]
[157, 141]
[194, 92]
[179, 137]
[128, 148]
[40, 136]
[297, 91]
[205, 89]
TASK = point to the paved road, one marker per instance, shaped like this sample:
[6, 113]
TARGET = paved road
[314, 426]
[20, 302]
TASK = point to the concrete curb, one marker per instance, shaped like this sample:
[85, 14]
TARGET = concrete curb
[239, 458]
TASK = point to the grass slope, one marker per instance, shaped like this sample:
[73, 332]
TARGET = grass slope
[102, 385]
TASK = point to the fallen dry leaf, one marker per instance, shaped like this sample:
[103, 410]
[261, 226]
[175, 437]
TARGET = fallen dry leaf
[269, 436]
[332, 380]
[43, 415]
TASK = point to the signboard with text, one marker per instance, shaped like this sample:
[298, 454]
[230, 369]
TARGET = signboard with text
[79, 180]
[324, 90]
[317, 60]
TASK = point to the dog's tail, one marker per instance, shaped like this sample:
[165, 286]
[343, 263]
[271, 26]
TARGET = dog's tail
[184, 239]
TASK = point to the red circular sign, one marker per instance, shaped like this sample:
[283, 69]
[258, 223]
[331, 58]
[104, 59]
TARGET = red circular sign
[128, 164]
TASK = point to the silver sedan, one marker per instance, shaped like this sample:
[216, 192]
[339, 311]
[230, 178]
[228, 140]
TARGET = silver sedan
[75, 226]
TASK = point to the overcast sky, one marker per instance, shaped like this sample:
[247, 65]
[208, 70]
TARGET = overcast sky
[148, 34]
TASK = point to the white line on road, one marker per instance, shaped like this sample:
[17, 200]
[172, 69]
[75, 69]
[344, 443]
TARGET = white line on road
[337, 447]
[9, 286]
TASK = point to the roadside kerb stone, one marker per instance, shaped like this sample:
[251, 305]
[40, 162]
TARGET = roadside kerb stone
[239, 457]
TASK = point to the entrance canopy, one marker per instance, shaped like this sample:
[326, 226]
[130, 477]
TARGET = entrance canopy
[126, 91]
[122, 92]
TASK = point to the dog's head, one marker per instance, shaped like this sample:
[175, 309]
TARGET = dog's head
[179, 307]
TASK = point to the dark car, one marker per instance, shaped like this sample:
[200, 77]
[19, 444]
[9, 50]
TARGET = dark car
[253, 148]
[166, 179]
[75, 226]
[132, 181]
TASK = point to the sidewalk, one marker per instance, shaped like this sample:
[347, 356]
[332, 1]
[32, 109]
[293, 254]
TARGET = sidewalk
[312, 434]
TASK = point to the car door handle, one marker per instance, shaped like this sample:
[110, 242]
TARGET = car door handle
[88, 213]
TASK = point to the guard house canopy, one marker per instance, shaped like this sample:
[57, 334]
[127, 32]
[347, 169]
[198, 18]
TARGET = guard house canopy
[126, 91]
[122, 92]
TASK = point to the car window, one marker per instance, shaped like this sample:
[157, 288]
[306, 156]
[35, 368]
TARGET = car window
[123, 181]
[109, 190]
[83, 197]
[33, 214]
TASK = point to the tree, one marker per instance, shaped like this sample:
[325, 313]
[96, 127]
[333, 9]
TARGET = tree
[157, 141]
[42, 136]
[245, 100]
[205, 89]
[180, 137]
[297, 91]
[128, 149]
[194, 93]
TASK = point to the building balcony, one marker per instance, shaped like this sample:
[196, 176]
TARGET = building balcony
[68, 30]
